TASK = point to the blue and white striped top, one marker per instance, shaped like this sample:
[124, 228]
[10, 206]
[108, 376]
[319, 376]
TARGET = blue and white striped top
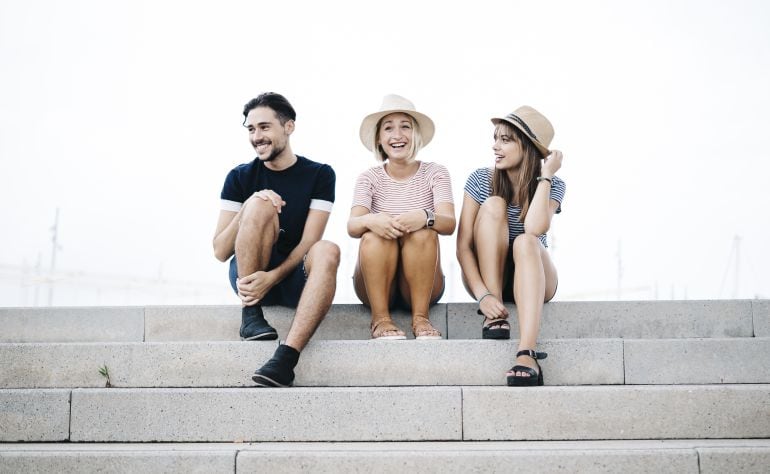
[479, 187]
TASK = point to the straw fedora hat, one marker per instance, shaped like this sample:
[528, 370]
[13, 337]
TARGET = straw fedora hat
[391, 104]
[533, 124]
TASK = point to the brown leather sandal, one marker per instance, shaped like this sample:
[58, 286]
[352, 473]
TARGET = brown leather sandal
[384, 325]
[423, 329]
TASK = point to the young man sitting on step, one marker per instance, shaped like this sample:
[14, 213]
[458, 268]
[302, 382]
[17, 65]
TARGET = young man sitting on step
[273, 215]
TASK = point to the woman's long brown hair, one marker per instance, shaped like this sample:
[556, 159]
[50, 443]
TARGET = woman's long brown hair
[519, 193]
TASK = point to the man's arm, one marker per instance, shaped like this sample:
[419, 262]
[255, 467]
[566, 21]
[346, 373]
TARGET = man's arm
[252, 288]
[224, 236]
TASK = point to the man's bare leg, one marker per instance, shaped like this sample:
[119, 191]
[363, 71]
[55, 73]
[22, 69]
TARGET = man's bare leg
[321, 265]
[257, 233]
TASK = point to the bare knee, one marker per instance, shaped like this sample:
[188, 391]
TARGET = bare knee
[494, 208]
[257, 212]
[421, 237]
[325, 254]
[373, 242]
[526, 245]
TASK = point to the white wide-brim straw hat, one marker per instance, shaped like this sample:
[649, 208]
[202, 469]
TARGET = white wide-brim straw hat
[392, 104]
[533, 124]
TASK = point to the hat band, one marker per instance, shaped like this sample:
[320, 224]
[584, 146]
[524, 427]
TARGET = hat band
[516, 119]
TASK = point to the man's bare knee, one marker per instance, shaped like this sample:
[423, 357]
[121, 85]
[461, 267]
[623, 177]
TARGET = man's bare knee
[324, 254]
[257, 212]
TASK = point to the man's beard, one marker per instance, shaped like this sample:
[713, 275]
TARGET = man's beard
[273, 155]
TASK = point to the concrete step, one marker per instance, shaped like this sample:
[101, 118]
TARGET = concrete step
[386, 363]
[531, 457]
[606, 319]
[385, 414]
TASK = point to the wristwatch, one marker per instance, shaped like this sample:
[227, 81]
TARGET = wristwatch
[430, 218]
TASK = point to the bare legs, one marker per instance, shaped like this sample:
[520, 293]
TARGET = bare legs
[534, 282]
[490, 236]
[421, 280]
[321, 264]
[373, 279]
[534, 278]
[419, 276]
[257, 233]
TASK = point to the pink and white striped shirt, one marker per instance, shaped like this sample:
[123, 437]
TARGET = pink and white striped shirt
[378, 192]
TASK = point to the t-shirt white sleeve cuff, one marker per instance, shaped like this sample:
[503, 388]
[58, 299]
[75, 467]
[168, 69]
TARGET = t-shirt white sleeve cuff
[230, 205]
[321, 205]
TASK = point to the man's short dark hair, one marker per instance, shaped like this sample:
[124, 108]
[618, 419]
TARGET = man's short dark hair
[274, 101]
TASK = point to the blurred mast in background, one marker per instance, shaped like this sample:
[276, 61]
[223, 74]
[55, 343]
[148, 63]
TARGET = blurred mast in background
[54, 248]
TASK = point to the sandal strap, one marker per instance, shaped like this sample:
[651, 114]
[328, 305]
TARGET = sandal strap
[379, 322]
[422, 320]
[533, 354]
[427, 327]
[523, 368]
[497, 323]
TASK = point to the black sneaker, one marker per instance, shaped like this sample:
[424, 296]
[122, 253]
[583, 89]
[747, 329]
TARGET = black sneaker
[254, 327]
[279, 370]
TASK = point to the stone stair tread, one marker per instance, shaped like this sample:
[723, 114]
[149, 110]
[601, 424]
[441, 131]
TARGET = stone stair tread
[386, 413]
[561, 319]
[382, 363]
[630, 456]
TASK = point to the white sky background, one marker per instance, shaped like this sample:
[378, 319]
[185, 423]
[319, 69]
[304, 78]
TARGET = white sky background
[127, 117]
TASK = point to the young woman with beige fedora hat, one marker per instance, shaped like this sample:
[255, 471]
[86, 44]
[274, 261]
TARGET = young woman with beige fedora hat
[399, 209]
[501, 241]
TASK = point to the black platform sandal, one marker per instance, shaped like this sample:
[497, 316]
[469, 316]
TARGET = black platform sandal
[535, 377]
[496, 329]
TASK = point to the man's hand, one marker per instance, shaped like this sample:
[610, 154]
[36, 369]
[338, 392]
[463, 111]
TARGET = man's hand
[272, 196]
[252, 288]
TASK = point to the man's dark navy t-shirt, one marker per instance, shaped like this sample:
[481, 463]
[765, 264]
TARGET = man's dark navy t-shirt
[303, 186]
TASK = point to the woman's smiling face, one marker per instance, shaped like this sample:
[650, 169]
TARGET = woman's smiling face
[396, 135]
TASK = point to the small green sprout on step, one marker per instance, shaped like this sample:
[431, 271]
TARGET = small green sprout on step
[105, 372]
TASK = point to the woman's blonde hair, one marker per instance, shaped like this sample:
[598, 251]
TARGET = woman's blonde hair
[415, 146]
[519, 193]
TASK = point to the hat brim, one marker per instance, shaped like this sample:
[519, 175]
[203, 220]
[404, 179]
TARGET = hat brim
[369, 123]
[540, 147]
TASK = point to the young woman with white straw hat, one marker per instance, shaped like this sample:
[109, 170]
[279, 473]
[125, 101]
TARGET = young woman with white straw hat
[501, 240]
[399, 209]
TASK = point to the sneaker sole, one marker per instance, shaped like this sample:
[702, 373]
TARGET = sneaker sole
[265, 336]
[264, 381]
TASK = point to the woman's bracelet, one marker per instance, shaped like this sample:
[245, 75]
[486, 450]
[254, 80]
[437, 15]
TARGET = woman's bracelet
[543, 178]
[483, 296]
